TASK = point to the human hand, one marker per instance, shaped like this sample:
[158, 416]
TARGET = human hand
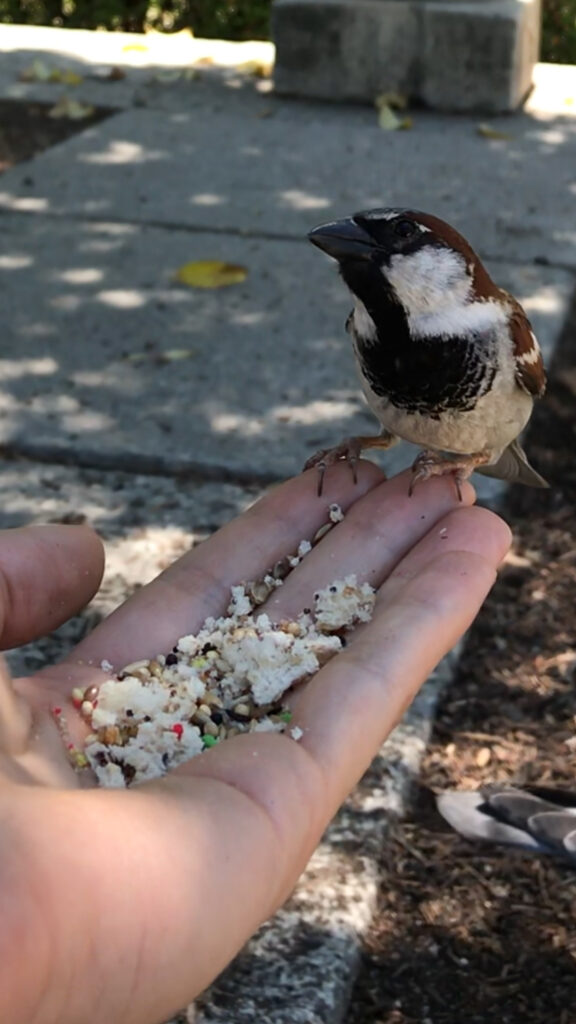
[120, 906]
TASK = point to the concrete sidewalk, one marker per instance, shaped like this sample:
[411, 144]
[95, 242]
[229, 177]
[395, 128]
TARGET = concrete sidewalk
[218, 168]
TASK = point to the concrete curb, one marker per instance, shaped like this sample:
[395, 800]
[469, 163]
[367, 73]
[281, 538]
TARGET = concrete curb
[461, 56]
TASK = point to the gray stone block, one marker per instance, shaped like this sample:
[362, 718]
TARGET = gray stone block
[479, 56]
[453, 55]
[351, 50]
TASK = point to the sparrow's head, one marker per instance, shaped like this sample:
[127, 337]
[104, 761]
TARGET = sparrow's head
[418, 260]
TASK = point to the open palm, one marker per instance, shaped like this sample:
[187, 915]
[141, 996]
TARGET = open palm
[104, 892]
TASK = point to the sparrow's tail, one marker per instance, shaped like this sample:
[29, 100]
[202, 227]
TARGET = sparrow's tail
[514, 467]
[538, 818]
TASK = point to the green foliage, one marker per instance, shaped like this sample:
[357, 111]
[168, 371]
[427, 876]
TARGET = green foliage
[559, 31]
[224, 19]
[232, 19]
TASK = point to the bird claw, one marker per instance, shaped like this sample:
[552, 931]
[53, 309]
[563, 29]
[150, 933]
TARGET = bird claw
[429, 464]
[348, 451]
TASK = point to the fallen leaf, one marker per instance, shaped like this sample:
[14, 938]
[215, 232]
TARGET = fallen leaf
[72, 110]
[108, 74]
[174, 355]
[387, 119]
[210, 274]
[38, 71]
[258, 68]
[390, 122]
[171, 355]
[115, 74]
[488, 132]
[396, 100]
[66, 77]
[169, 75]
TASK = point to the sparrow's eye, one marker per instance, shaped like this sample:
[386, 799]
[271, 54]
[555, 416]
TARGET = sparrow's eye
[404, 228]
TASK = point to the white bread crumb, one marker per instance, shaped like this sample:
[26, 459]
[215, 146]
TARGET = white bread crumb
[229, 678]
[343, 603]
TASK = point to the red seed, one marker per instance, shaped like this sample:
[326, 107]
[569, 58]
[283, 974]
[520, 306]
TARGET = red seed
[56, 711]
[178, 729]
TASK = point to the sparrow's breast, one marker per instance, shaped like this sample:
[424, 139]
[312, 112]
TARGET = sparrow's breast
[455, 394]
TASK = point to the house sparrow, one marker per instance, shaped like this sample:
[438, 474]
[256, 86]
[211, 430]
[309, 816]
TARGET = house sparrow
[447, 359]
[536, 818]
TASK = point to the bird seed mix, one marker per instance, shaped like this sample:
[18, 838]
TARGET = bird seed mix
[229, 678]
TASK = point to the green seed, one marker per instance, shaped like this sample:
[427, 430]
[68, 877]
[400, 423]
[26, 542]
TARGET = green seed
[210, 741]
[285, 716]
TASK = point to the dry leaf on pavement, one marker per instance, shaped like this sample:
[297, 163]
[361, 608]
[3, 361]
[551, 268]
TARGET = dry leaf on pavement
[258, 68]
[168, 75]
[39, 71]
[210, 274]
[488, 132]
[388, 120]
[71, 110]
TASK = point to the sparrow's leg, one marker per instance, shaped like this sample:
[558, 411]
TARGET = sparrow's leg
[348, 450]
[428, 464]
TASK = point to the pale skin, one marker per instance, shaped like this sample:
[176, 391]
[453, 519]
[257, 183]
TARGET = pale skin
[119, 907]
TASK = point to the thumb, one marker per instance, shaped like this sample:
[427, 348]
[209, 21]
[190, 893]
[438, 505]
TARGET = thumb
[47, 574]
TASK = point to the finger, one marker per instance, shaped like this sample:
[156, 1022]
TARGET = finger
[198, 585]
[47, 574]
[356, 700]
[15, 715]
[475, 529]
[374, 536]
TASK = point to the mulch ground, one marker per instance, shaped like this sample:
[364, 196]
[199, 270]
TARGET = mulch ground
[470, 934]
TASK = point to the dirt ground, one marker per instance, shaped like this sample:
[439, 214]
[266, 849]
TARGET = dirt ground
[471, 934]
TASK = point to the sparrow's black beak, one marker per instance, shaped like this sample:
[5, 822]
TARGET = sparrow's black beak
[343, 240]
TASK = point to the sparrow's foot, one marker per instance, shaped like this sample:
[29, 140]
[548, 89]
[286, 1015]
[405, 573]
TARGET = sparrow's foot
[429, 464]
[349, 451]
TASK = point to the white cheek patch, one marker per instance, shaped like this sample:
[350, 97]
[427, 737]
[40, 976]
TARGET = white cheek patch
[429, 280]
[474, 318]
[364, 325]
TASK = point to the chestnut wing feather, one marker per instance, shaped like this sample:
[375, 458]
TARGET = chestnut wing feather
[530, 373]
